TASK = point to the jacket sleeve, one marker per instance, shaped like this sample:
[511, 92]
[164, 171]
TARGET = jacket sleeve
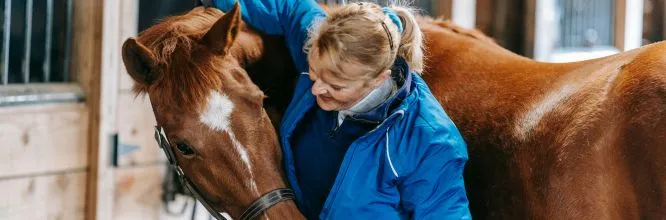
[289, 18]
[435, 188]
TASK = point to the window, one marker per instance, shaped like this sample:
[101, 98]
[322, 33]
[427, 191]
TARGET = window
[574, 30]
[585, 23]
[35, 49]
[585, 30]
[35, 41]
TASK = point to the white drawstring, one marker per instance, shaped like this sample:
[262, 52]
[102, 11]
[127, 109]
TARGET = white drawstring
[388, 155]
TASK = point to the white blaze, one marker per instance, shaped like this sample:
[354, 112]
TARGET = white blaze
[217, 116]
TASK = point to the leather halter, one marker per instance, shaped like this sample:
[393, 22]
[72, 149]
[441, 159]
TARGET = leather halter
[260, 205]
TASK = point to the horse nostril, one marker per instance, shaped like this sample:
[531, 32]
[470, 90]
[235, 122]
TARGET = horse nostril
[184, 148]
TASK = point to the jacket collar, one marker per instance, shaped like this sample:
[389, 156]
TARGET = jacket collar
[403, 78]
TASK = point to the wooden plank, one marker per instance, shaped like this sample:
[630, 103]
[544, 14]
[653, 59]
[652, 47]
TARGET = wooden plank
[628, 24]
[530, 28]
[130, 15]
[43, 138]
[464, 13]
[620, 23]
[58, 196]
[442, 8]
[662, 6]
[633, 28]
[544, 33]
[95, 61]
[484, 16]
[138, 192]
[135, 131]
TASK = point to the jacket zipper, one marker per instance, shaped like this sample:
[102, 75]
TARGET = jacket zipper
[345, 165]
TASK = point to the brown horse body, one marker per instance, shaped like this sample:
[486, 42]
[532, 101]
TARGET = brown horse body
[580, 140]
[584, 140]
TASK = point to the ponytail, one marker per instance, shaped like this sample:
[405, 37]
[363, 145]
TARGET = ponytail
[411, 41]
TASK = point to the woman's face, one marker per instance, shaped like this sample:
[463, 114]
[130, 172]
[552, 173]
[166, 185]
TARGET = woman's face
[334, 93]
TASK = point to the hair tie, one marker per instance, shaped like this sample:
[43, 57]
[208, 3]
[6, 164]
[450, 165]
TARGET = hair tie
[394, 17]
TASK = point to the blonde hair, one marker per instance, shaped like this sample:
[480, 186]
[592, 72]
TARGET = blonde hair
[359, 34]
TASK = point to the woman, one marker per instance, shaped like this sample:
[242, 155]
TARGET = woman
[363, 136]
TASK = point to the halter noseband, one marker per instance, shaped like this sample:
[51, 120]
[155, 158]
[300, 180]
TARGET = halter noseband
[260, 205]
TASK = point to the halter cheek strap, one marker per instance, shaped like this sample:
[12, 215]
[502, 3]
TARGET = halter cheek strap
[259, 206]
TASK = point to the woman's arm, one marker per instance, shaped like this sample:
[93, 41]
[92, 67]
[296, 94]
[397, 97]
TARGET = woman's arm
[289, 18]
[435, 189]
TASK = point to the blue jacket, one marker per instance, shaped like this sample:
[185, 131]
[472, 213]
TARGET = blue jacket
[409, 166]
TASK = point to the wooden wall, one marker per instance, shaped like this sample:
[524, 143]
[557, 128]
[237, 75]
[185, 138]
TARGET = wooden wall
[504, 21]
[653, 21]
[44, 161]
[45, 147]
[55, 159]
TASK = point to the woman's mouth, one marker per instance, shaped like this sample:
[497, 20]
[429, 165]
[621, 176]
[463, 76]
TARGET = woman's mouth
[325, 99]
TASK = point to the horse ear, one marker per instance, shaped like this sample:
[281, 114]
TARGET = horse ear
[222, 35]
[139, 61]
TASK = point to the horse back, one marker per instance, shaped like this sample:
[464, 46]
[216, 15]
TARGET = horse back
[574, 140]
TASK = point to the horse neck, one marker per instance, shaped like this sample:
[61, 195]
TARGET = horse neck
[269, 65]
[470, 75]
[271, 68]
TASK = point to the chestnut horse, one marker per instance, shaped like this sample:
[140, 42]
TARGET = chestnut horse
[583, 140]
[196, 70]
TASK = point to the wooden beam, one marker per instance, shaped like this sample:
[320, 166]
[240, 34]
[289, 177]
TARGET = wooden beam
[461, 12]
[545, 24]
[38, 139]
[135, 117]
[442, 8]
[484, 16]
[530, 28]
[620, 14]
[464, 13]
[130, 27]
[135, 131]
[662, 5]
[95, 57]
[628, 24]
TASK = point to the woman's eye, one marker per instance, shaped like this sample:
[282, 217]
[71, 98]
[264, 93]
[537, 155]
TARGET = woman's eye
[185, 149]
[337, 88]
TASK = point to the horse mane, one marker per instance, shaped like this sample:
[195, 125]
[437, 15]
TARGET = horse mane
[185, 80]
[427, 21]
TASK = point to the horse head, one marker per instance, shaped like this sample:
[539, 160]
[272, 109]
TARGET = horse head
[210, 113]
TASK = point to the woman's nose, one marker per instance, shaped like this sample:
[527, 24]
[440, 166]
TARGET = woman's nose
[318, 88]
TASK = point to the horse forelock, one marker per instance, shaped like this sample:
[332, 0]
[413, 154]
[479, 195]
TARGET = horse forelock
[176, 34]
[185, 75]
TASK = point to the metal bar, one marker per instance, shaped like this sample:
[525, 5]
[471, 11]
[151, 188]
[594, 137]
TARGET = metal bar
[6, 33]
[28, 41]
[46, 66]
[20, 94]
[68, 42]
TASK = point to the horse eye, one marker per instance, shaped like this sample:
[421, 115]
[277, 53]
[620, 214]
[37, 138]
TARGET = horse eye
[184, 148]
